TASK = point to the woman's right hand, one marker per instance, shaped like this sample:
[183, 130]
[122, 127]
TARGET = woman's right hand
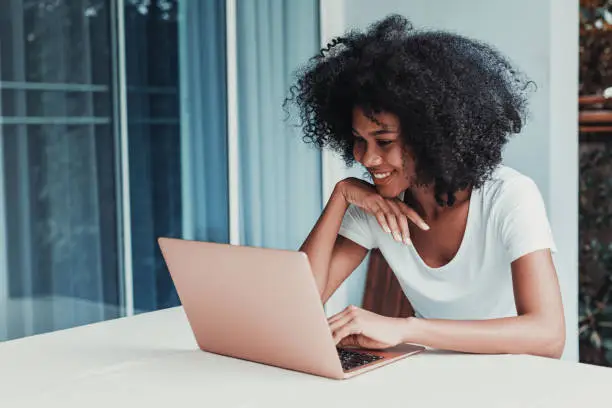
[391, 213]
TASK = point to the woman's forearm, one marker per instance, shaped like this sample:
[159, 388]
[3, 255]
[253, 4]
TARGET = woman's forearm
[319, 244]
[525, 334]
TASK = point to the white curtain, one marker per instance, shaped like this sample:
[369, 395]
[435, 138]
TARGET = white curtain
[280, 176]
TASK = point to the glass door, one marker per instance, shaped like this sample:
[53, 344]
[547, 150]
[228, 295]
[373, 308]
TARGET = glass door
[59, 263]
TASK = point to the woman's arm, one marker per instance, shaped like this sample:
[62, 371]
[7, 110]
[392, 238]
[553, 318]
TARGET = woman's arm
[332, 257]
[539, 328]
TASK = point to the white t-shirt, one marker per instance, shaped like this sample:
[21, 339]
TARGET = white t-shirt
[506, 220]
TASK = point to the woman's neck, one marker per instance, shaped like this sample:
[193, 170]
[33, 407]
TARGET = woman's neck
[423, 200]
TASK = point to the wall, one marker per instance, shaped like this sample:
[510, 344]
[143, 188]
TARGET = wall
[546, 48]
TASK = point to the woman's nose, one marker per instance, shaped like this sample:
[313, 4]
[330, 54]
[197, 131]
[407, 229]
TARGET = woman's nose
[371, 158]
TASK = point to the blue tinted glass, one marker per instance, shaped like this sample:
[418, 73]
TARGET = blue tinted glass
[59, 264]
[177, 136]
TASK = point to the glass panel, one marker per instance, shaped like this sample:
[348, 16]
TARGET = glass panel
[154, 144]
[171, 159]
[58, 216]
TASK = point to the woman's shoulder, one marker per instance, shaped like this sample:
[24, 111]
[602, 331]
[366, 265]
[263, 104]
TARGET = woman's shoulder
[505, 179]
[508, 187]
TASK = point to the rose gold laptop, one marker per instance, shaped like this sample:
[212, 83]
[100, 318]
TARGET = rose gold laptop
[262, 305]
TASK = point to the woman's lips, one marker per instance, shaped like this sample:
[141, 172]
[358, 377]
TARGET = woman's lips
[382, 177]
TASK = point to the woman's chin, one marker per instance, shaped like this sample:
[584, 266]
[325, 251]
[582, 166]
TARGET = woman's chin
[388, 191]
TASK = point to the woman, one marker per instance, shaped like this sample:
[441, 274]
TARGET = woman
[428, 114]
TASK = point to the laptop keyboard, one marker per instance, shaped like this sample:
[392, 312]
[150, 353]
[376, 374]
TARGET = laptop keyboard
[351, 359]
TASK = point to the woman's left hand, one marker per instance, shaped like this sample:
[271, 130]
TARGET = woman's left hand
[358, 327]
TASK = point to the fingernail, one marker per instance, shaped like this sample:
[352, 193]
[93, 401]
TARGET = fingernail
[425, 226]
[407, 241]
[397, 237]
[387, 230]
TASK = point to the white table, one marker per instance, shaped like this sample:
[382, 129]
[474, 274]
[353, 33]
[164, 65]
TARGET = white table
[151, 360]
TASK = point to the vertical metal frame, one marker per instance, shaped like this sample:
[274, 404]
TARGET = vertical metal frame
[4, 292]
[122, 164]
[25, 253]
[232, 123]
[187, 181]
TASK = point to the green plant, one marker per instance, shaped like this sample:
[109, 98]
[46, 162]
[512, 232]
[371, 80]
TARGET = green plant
[595, 200]
[595, 293]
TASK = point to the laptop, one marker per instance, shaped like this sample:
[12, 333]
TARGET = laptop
[263, 305]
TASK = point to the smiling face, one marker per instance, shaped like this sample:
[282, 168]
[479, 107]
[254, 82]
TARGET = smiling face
[380, 149]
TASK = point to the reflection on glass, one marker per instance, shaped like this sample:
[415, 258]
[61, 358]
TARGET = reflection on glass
[165, 160]
[151, 38]
[61, 220]
[58, 235]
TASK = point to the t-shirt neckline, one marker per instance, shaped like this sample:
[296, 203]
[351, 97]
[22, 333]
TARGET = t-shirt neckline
[464, 239]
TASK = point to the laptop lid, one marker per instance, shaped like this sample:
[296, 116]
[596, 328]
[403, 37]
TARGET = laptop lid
[252, 303]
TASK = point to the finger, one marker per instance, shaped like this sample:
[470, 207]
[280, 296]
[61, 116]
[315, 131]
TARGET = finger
[394, 219]
[413, 216]
[341, 314]
[349, 341]
[334, 326]
[346, 330]
[382, 220]
[336, 317]
[395, 230]
[382, 209]
[402, 222]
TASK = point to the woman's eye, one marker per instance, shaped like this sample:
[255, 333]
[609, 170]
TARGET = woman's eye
[384, 142]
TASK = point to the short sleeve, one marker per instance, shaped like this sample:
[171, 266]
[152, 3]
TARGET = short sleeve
[355, 227]
[522, 220]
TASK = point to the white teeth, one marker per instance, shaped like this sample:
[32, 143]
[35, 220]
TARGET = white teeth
[381, 175]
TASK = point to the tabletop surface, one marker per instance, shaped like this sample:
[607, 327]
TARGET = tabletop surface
[151, 360]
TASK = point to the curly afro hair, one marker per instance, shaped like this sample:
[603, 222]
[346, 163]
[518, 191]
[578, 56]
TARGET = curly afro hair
[457, 99]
